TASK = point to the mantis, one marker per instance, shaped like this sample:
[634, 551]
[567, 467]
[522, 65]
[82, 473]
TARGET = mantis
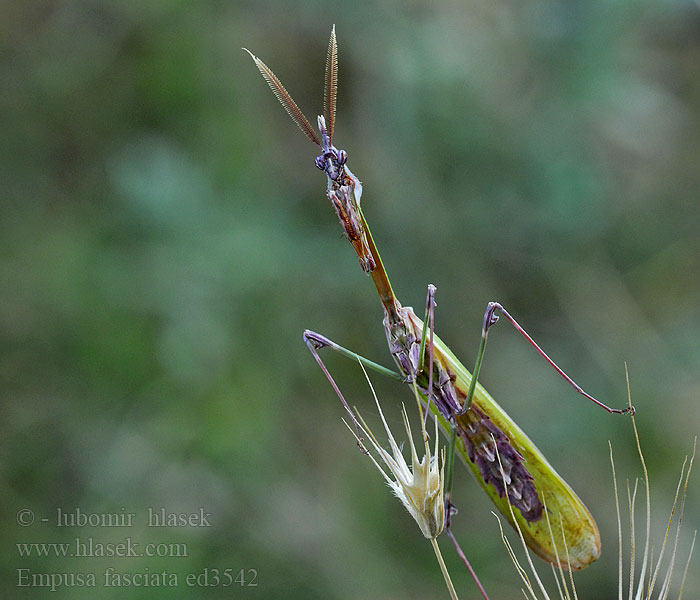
[505, 462]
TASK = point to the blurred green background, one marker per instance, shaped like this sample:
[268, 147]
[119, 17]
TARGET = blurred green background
[166, 238]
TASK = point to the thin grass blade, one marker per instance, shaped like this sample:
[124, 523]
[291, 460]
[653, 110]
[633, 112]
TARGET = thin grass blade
[646, 489]
[517, 526]
[669, 573]
[556, 553]
[668, 530]
[556, 581]
[521, 571]
[687, 564]
[633, 541]
[619, 526]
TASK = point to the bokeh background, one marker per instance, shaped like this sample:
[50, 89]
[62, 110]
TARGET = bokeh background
[166, 238]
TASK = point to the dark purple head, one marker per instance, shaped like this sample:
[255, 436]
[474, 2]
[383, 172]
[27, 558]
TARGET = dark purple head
[331, 160]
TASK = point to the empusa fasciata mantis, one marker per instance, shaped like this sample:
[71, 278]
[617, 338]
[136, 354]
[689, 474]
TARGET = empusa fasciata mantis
[522, 477]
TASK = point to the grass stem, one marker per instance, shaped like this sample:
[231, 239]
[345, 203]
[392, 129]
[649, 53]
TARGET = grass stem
[443, 568]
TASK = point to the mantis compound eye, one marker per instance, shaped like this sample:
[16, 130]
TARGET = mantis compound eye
[342, 157]
[320, 162]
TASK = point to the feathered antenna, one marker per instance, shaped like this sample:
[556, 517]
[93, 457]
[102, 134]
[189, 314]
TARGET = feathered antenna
[331, 87]
[285, 99]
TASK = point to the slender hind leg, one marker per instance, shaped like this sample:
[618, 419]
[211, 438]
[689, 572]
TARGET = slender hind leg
[490, 319]
[315, 341]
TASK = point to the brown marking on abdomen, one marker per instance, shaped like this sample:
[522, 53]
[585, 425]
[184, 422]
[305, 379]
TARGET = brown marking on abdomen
[476, 429]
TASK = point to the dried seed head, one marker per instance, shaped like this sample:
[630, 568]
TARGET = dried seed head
[420, 487]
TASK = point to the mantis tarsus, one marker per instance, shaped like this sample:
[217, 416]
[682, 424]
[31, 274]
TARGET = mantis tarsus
[521, 478]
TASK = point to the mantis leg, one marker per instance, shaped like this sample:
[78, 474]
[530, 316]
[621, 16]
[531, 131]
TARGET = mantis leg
[490, 319]
[315, 341]
[427, 336]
